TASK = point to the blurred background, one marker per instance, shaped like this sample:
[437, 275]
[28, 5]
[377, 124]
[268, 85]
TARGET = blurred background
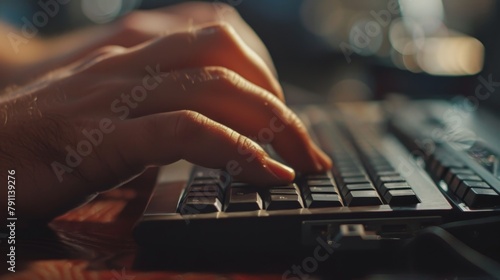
[341, 49]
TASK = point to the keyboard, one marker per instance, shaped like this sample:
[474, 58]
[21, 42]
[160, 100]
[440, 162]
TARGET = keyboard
[380, 182]
[361, 176]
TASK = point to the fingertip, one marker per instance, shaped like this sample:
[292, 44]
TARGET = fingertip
[322, 158]
[281, 172]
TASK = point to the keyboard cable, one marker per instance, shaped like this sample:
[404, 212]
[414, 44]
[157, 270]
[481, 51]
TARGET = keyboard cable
[456, 246]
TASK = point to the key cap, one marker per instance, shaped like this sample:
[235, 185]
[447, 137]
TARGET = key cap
[352, 174]
[448, 178]
[393, 186]
[323, 200]
[443, 167]
[459, 178]
[383, 168]
[389, 179]
[284, 201]
[401, 197]
[355, 180]
[362, 198]
[322, 189]
[480, 198]
[319, 182]
[356, 187]
[243, 199]
[323, 176]
[464, 187]
[202, 182]
[341, 170]
[205, 173]
[379, 161]
[290, 187]
[195, 205]
[386, 173]
[282, 191]
[204, 194]
[205, 188]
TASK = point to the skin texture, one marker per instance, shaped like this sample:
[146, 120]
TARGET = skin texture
[106, 109]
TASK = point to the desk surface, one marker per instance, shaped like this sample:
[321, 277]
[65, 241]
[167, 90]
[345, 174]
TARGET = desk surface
[95, 242]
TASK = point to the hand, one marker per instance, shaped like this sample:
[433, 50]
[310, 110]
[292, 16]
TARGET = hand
[101, 121]
[21, 61]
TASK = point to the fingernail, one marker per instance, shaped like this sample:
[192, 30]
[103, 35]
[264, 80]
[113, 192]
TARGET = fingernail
[280, 171]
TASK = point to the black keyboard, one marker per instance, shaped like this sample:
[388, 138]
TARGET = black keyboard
[361, 176]
[380, 179]
[464, 183]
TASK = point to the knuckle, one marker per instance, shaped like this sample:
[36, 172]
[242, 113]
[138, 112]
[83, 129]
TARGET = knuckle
[247, 144]
[188, 125]
[219, 33]
[222, 73]
[244, 142]
[225, 78]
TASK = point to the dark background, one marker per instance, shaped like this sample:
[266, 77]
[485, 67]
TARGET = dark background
[310, 60]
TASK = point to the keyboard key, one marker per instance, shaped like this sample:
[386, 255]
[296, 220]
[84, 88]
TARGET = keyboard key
[448, 178]
[442, 167]
[290, 187]
[195, 205]
[355, 180]
[383, 168]
[205, 188]
[480, 198]
[202, 182]
[206, 173]
[378, 162]
[389, 179]
[323, 200]
[362, 198]
[284, 201]
[401, 197]
[459, 178]
[386, 173]
[356, 187]
[323, 176]
[341, 170]
[352, 174]
[282, 191]
[393, 186]
[243, 199]
[327, 182]
[347, 164]
[464, 187]
[322, 189]
[204, 194]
